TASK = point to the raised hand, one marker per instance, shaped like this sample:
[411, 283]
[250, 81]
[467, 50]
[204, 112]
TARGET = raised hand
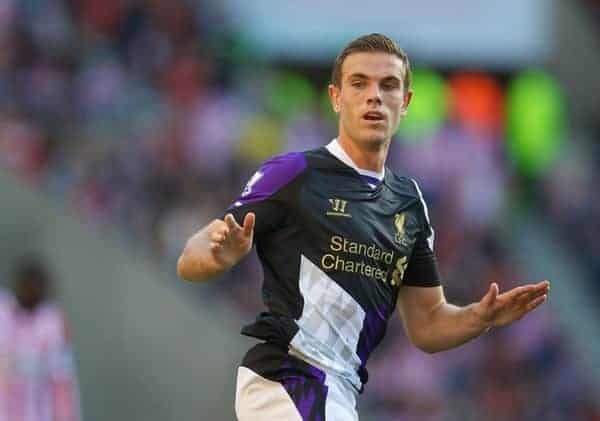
[229, 241]
[496, 309]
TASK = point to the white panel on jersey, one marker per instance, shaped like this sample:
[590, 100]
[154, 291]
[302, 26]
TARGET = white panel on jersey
[330, 324]
[340, 404]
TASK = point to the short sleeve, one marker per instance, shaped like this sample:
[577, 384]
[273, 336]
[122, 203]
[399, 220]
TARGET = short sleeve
[263, 194]
[422, 269]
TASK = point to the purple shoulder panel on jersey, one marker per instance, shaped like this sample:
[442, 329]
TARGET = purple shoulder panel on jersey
[271, 177]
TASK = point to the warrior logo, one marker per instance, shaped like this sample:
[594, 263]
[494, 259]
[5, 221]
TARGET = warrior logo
[338, 208]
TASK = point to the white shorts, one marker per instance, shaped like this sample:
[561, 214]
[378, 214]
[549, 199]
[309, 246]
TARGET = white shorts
[293, 399]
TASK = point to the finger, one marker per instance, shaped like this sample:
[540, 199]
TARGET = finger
[249, 221]
[532, 296]
[540, 291]
[490, 297]
[519, 292]
[536, 290]
[231, 222]
[219, 236]
[544, 284]
[537, 302]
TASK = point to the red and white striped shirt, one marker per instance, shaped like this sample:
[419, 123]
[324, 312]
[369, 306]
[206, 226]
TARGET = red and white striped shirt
[37, 373]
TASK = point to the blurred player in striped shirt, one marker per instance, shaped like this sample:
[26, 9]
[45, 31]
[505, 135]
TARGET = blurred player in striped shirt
[37, 374]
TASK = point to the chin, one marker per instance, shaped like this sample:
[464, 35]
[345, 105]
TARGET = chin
[375, 138]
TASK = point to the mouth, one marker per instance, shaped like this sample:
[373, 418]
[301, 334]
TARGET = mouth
[373, 117]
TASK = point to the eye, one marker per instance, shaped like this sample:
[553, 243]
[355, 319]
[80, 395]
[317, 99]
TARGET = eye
[388, 86]
[358, 83]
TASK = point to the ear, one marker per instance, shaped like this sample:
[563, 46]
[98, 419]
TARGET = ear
[334, 97]
[406, 102]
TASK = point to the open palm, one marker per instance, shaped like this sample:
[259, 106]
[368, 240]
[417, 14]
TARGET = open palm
[497, 309]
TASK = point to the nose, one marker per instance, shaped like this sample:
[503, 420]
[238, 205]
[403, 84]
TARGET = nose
[374, 95]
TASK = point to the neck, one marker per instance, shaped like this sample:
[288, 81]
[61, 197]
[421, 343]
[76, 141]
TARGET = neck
[367, 157]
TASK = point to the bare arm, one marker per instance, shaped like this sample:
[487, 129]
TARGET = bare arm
[216, 248]
[434, 325]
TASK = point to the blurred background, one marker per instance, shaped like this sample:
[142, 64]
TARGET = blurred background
[126, 125]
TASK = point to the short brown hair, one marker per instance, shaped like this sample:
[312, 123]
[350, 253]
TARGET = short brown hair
[370, 43]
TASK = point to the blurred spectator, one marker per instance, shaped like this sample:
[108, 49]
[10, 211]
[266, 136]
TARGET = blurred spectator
[37, 374]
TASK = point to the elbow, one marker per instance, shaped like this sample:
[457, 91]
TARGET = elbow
[423, 343]
[186, 269]
[193, 266]
[182, 269]
[181, 272]
[428, 348]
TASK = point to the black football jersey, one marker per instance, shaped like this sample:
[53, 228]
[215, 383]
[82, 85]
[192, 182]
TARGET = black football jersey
[335, 250]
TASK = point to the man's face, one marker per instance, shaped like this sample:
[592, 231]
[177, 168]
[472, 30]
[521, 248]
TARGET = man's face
[30, 292]
[371, 99]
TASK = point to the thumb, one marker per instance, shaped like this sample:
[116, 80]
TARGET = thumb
[231, 222]
[249, 221]
[490, 297]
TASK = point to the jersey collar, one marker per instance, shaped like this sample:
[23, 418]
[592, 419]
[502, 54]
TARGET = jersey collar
[336, 150]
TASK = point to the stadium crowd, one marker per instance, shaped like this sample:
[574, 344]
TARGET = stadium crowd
[151, 119]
